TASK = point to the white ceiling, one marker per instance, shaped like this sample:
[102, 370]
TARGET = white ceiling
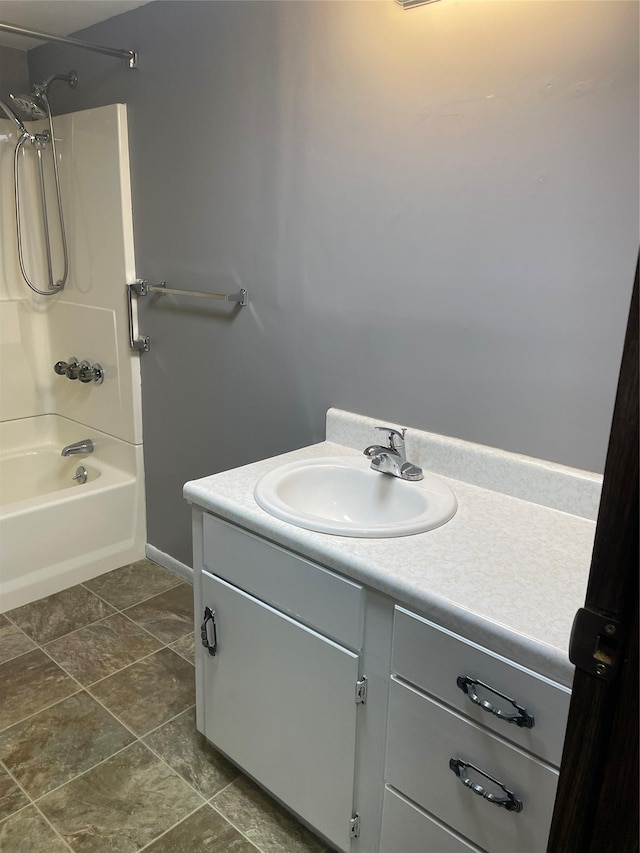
[57, 17]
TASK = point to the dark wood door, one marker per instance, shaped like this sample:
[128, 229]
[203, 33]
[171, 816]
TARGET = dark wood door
[596, 808]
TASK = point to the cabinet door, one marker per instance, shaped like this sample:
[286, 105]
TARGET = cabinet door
[279, 700]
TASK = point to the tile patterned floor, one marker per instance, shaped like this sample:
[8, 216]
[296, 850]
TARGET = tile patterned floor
[98, 745]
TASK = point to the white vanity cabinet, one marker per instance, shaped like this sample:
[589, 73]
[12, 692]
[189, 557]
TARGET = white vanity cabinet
[393, 771]
[277, 684]
[464, 723]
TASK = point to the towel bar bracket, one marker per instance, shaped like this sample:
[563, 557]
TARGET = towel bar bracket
[141, 287]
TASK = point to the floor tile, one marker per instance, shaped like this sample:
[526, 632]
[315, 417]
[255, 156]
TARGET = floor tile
[61, 742]
[168, 616]
[98, 650]
[185, 648]
[11, 797]
[263, 821]
[150, 692]
[121, 805]
[133, 583]
[189, 753]
[30, 683]
[205, 831]
[13, 641]
[58, 614]
[28, 832]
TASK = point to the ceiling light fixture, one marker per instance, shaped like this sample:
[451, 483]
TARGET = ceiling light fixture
[410, 4]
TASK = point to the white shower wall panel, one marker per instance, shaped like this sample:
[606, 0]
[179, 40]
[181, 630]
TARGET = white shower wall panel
[25, 387]
[89, 318]
[97, 198]
[98, 204]
[91, 334]
[9, 269]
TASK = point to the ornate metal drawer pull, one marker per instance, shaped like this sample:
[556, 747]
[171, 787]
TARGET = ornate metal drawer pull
[510, 802]
[209, 616]
[522, 718]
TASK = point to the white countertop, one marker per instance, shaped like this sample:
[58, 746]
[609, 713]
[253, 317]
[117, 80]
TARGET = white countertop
[506, 573]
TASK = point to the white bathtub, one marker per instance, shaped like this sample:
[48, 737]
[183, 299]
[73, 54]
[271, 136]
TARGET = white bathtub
[56, 532]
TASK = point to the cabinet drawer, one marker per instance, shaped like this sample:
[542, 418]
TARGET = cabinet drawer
[433, 658]
[310, 593]
[407, 828]
[422, 738]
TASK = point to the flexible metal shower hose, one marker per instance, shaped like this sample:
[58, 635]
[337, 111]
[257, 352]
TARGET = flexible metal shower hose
[58, 285]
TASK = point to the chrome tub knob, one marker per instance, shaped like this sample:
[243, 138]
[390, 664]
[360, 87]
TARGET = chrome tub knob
[91, 373]
[65, 368]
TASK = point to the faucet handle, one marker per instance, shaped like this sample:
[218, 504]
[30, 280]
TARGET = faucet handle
[395, 438]
[62, 367]
[91, 373]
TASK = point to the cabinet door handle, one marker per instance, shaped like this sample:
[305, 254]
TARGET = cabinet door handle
[521, 718]
[509, 802]
[209, 616]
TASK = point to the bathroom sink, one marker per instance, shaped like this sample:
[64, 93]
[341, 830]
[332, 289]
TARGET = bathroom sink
[343, 496]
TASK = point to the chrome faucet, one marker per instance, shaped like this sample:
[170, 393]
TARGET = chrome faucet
[84, 446]
[392, 459]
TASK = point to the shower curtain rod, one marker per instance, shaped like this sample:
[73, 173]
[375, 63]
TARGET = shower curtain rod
[130, 55]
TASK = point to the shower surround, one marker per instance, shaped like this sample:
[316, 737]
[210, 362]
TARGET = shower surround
[55, 533]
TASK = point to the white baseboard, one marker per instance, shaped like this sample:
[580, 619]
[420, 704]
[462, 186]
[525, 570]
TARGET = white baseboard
[170, 563]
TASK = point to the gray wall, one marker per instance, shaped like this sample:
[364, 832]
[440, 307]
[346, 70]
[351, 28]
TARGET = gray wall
[435, 213]
[14, 72]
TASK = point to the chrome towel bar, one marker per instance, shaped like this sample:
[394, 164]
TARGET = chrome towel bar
[142, 288]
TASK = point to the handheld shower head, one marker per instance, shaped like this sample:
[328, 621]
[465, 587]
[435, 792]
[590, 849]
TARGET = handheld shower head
[14, 118]
[31, 105]
[35, 105]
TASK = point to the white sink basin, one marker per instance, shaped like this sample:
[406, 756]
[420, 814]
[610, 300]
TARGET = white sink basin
[343, 496]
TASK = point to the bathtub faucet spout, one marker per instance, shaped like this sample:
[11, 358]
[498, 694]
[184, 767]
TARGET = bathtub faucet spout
[84, 446]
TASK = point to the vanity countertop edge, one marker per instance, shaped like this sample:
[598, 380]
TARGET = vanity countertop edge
[504, 573]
